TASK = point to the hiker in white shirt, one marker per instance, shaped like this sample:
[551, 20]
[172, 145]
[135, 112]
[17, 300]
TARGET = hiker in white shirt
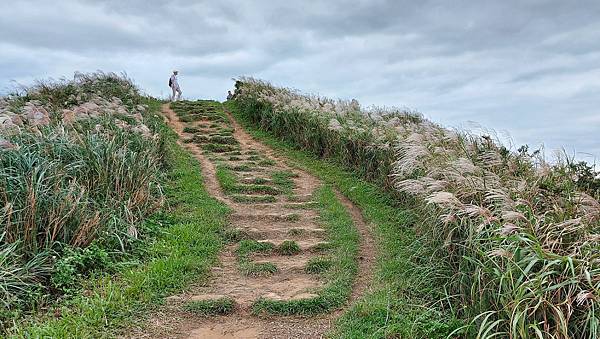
[174, 86]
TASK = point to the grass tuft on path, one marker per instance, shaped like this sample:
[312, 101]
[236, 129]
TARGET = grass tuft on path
[288, 247]
[219, 306]
[248, 247]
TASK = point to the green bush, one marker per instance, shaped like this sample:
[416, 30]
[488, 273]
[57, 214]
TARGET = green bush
[75, 263]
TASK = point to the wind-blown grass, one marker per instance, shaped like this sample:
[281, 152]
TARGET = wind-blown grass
[64, 187]
[406, 299]
[518, 236]
[185, 246]
[78, 166]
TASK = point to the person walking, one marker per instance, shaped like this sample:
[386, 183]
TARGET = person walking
[174, 86]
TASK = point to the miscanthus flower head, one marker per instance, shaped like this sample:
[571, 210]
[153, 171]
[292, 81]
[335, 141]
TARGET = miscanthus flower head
[334, 125]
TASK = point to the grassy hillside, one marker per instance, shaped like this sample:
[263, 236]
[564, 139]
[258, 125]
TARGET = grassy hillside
[86, 167]
[517, 236]
[78, 169]
[103, 215]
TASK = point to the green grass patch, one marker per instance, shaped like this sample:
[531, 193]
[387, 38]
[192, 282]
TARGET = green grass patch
[322, 247]
[201, 138]
[253, 198]
[283, 180]
[237, 152]
[228, 181]
[253, 188]
[253, 269]
[188, 129]
[225, 130]
[186, 118]
[318, 265]
[294, 232]
[219, 306]
[295, 198]
[219, 139]
[288, 247]
[200, 110]
[259, 181]
[242, 168]
[233, 235]
[267, 163]
[292, 217]
[219, 148]
[247, 247]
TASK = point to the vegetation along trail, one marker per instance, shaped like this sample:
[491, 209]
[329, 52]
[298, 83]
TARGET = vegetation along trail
[115, 213]
[296, 250]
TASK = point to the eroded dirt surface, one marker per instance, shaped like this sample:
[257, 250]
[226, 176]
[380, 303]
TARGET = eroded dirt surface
[270, 221]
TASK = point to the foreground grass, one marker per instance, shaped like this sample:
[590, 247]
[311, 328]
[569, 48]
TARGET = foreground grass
[343, 253]
[220, 306]
[405, 301]
[184, 251]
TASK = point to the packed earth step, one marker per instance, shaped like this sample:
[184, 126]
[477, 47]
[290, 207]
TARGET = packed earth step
[284, 232]
[283, 217]
[304, 244]
[297, 265]
[246, 291]
[301, 198]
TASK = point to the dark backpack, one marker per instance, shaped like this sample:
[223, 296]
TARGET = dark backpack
[170, 82]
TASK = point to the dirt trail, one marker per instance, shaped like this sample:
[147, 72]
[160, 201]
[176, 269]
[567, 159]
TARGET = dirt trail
[367, 252]
[269, 221]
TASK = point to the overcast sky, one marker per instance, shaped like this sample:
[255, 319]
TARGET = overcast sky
[529, 69]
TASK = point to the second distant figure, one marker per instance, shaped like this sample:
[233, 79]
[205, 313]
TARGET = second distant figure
[175, 86]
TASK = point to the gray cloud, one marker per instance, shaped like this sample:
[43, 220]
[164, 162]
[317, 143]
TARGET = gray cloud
[531, 68]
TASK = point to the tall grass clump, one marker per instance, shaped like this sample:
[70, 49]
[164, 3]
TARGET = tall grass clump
[518, 236]
[78, 166]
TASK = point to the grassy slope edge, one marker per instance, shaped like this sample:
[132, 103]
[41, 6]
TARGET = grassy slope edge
[184, 251]
[402, 302]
